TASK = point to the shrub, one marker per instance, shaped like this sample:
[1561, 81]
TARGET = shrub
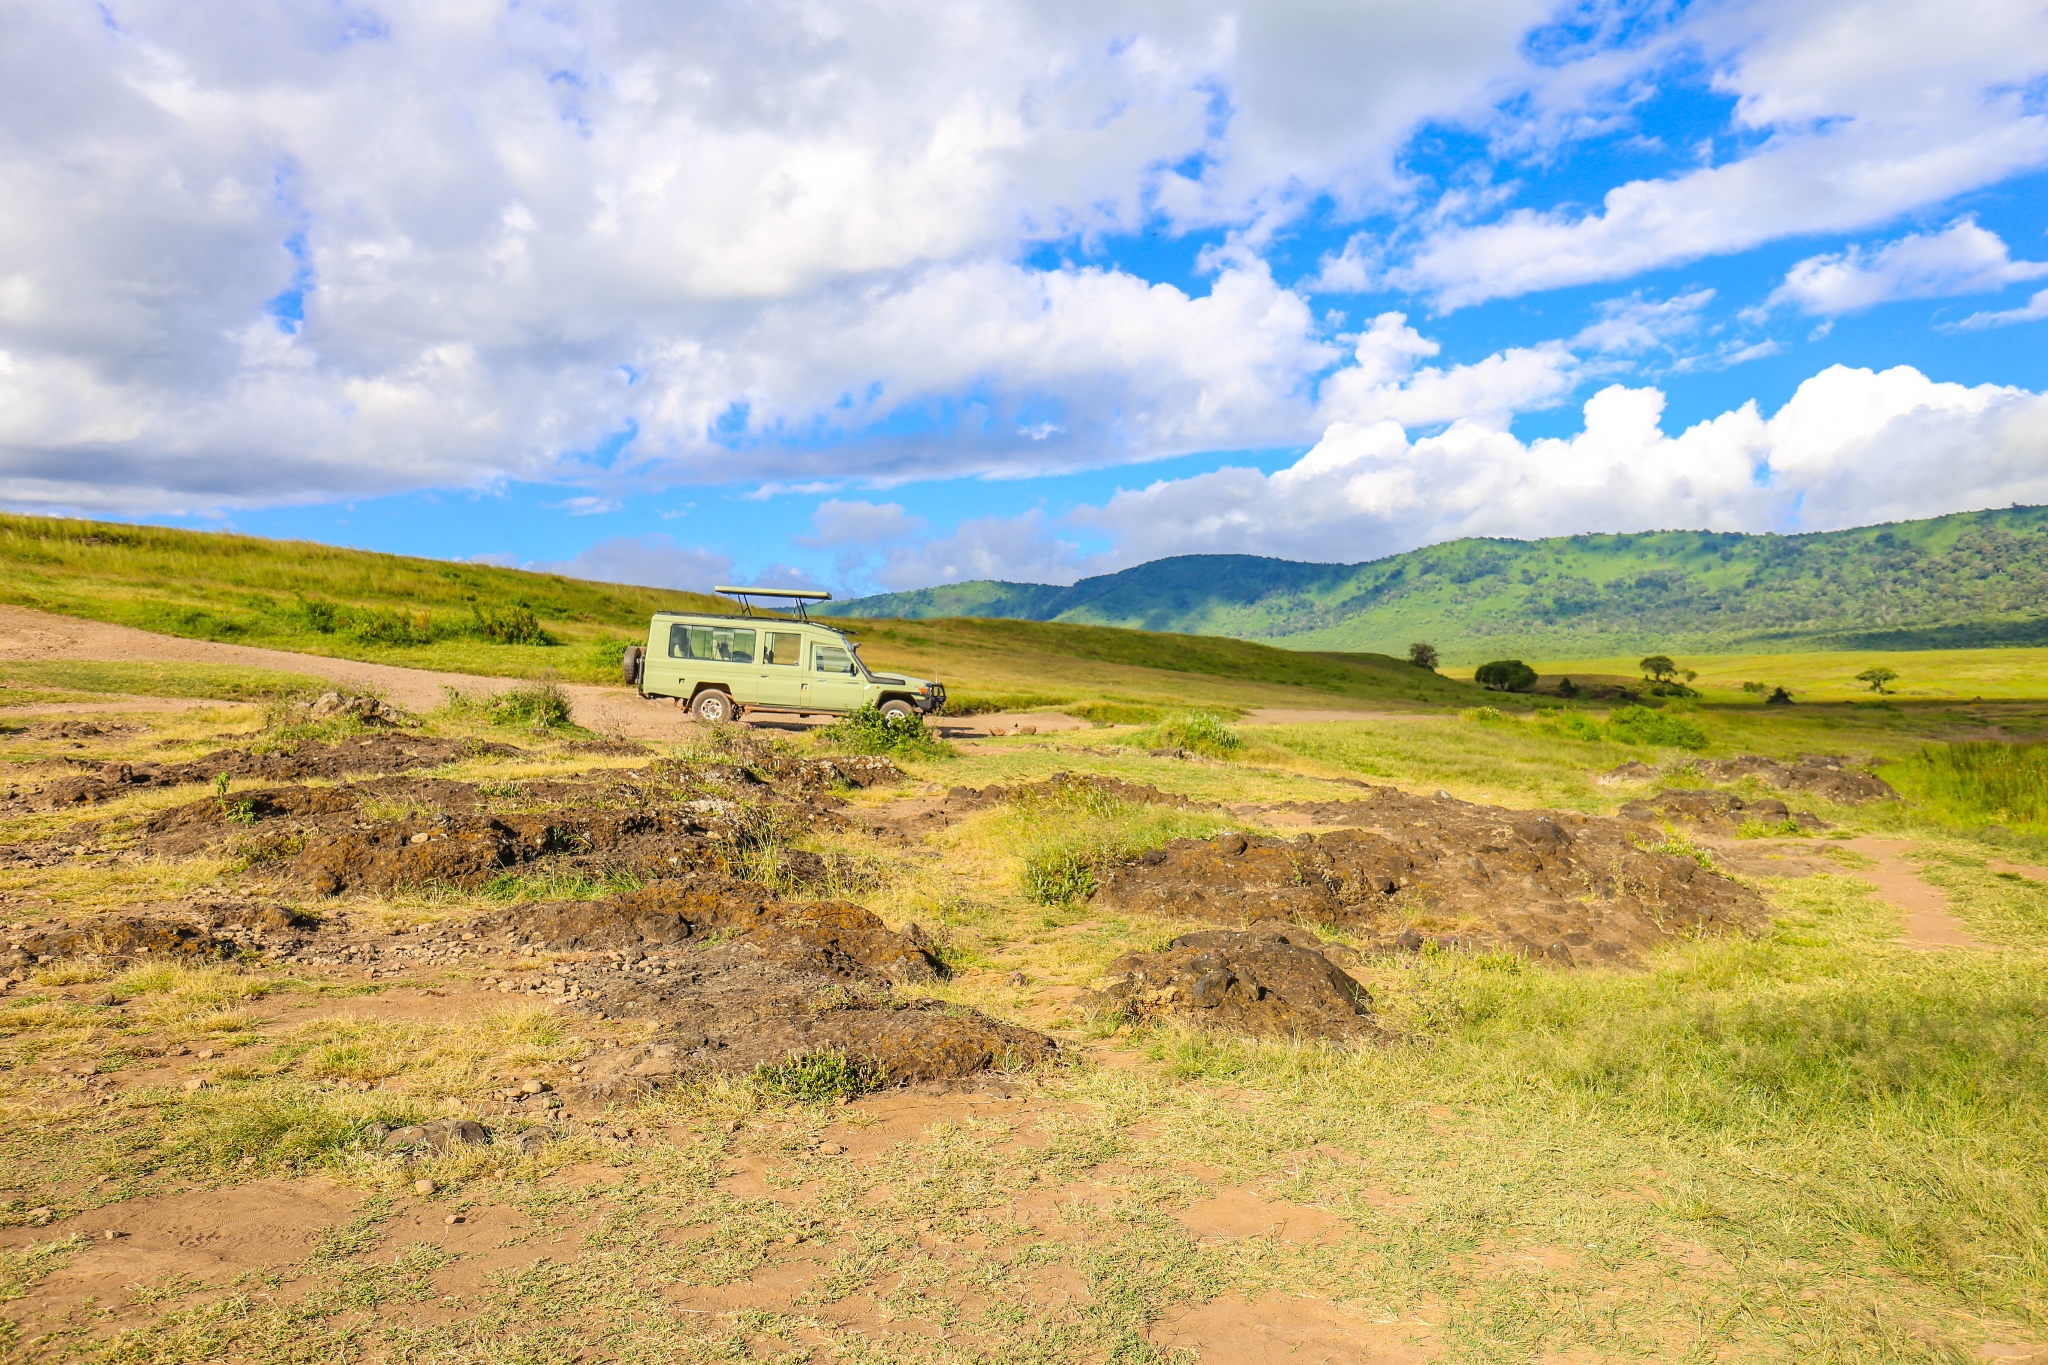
[1058, 874]
[515, 625]
[1641, 725]
[1505, 675]
[818, 1076]
[868, 731]
[1201, 732]
[541, 705]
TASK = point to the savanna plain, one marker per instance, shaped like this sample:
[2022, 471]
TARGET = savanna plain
[1178, 1005]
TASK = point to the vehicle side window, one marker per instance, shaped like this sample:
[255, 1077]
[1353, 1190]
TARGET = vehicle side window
[717, 644]
[782, 647]
[832, 659]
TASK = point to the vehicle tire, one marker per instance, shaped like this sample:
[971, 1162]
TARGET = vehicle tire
[897, 709]
[630, 665]
[714, 706]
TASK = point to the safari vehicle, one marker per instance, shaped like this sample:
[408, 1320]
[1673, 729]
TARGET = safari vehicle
[724, 666]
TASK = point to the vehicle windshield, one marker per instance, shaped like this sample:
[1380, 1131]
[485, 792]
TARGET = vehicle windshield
[858, 662]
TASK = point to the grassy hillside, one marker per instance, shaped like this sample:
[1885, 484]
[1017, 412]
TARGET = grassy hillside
[473, 618]
[1970, 580]
[317, 599]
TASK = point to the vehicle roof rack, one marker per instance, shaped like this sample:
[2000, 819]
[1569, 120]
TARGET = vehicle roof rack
[798, 595]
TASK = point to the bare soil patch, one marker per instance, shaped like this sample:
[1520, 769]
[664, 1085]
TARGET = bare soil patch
[1831, 777]
[1926, 921]
[1290, 1328]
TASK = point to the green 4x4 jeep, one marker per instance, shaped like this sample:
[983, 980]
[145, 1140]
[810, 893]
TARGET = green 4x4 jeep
[722, 666]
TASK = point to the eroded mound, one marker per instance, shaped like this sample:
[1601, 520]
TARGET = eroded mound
[1272, 980]
[375, 754]
[736, 979]
[200, 930]
[1722, 811]
[1827, 776]
[1573, 888]
[830, 938]
[120, 936]
[1831, 777]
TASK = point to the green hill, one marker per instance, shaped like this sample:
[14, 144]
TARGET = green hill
[320, 599]
[1968, 580]
[474, 618]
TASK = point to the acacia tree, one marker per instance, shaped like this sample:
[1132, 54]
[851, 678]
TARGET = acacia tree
[1877, 676]
[1659, 667]
[1505, 675]
[1423, 655]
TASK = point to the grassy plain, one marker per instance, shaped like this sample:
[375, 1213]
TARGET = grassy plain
[1817, 1145]
[1924, 674]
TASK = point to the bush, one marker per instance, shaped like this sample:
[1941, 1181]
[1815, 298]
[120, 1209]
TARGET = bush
[1200, 732]
[1641, 725]
[1505, 675]
[516, 625]
[815, 1077]
[1058, 874]
[539, 705]
[868, 731]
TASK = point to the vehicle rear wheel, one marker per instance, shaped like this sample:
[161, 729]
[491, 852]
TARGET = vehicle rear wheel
[715, 707]
[897, 709]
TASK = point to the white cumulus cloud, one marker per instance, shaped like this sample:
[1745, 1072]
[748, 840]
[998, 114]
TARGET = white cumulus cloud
[1851, 446]
[1962, 258]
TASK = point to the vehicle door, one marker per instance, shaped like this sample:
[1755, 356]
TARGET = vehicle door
[836, 681]
[780, 679]
[718, 654]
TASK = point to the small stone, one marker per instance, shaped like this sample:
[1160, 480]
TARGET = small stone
[533, 1085]
[424, 1187]
[790, 1239]
[421, 837]
[730, 1126]
[829, 1149]
[195, 1083]
[206, 1054]
[452, 1219]
[42, 1217]
[110, 1235]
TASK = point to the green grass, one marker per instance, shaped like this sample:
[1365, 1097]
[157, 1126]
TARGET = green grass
[216, 682]
[1979, 782]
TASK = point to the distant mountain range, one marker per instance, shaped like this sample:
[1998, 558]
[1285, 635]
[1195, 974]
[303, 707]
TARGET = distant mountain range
[1971, 579]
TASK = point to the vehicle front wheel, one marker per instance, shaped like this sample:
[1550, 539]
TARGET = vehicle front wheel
[897, 709]
[715, 707]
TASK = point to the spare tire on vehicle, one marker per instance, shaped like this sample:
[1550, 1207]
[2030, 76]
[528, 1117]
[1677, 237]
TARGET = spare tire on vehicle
[629, 665]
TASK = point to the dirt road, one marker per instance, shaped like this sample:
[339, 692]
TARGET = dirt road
[28, 635]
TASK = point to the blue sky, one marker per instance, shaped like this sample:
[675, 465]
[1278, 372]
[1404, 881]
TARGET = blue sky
[874, 296]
